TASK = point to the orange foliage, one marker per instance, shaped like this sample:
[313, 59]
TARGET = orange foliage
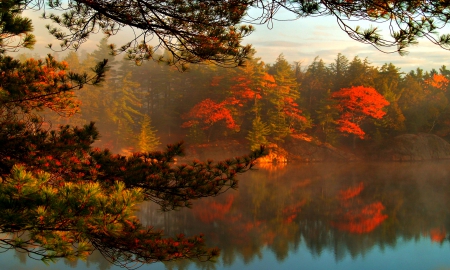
[208, 112]
[291, 110]
[290, 212]
[438, 81]
[43, 84]
[354, 215]
[214, 210]
[362, 220]
[356, 104]
[269, 80]
[351, 192]
[438, 235]
[242, 89]
[349, 127]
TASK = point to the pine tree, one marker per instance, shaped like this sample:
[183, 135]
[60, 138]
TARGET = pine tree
[327, 115]
[257, 136]
[62, 198]
[283, 115]
[147, 138]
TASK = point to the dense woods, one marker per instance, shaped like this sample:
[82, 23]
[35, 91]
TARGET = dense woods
[61, 197]
[346, 103]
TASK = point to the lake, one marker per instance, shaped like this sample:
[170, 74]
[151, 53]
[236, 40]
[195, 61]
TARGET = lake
[310, 216]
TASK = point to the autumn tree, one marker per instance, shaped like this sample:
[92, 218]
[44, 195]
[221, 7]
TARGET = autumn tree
[147, 140]
[62, 198]
[207, 113]
[284, 116]
[424, 101]
[355, 105]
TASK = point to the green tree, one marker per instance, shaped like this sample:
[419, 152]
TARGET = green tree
[327, 116]
[283, 115]
[257, 136]
[317, 80]
[360, 72]
[389, 84]
[339, 70]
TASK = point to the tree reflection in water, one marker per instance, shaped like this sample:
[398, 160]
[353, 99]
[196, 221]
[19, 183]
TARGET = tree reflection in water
[346, 208]
[356, 216]
[340, 209]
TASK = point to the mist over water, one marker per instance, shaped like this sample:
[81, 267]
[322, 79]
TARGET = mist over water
[311, 216]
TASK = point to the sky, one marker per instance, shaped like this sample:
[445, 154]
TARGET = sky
[300, 40]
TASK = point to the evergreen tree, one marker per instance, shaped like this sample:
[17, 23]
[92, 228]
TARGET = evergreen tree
[123, 110]
[339, 70]
[360, 72]
[389, 84]
[257, 136]
[317, 80]
[147, 138]
[282, 98]
[327, 116]
[61, 198]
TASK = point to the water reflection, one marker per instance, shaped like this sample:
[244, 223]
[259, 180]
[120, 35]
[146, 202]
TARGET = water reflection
[348, 209]
[332, 212]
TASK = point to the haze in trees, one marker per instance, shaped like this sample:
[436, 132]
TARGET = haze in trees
[62, 198]
[46, 170]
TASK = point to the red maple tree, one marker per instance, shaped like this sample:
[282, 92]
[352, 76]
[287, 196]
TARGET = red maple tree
[208, 112]
[356, 104]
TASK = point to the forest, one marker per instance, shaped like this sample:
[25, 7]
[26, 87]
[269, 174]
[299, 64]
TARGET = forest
[77, 160]
[349, 103]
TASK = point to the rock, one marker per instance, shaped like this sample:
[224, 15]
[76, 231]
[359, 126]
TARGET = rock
[275, 155]
[415, 147]
[307, 150]
[302, 149]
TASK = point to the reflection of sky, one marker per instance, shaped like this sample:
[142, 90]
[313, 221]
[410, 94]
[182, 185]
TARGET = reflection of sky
[301, 40]
[421, 255]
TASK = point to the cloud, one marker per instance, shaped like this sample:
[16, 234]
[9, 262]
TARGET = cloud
[277, 43]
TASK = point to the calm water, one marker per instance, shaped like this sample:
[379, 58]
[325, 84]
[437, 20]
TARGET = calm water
[313, 216]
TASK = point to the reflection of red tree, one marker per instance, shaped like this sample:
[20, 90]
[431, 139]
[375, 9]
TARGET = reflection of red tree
[354, 215]
[438, 235]
[351, 192]
[291, 211]
[208, 213]
[361, 220]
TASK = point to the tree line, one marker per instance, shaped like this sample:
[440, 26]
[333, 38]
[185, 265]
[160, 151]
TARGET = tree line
[343, 103]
